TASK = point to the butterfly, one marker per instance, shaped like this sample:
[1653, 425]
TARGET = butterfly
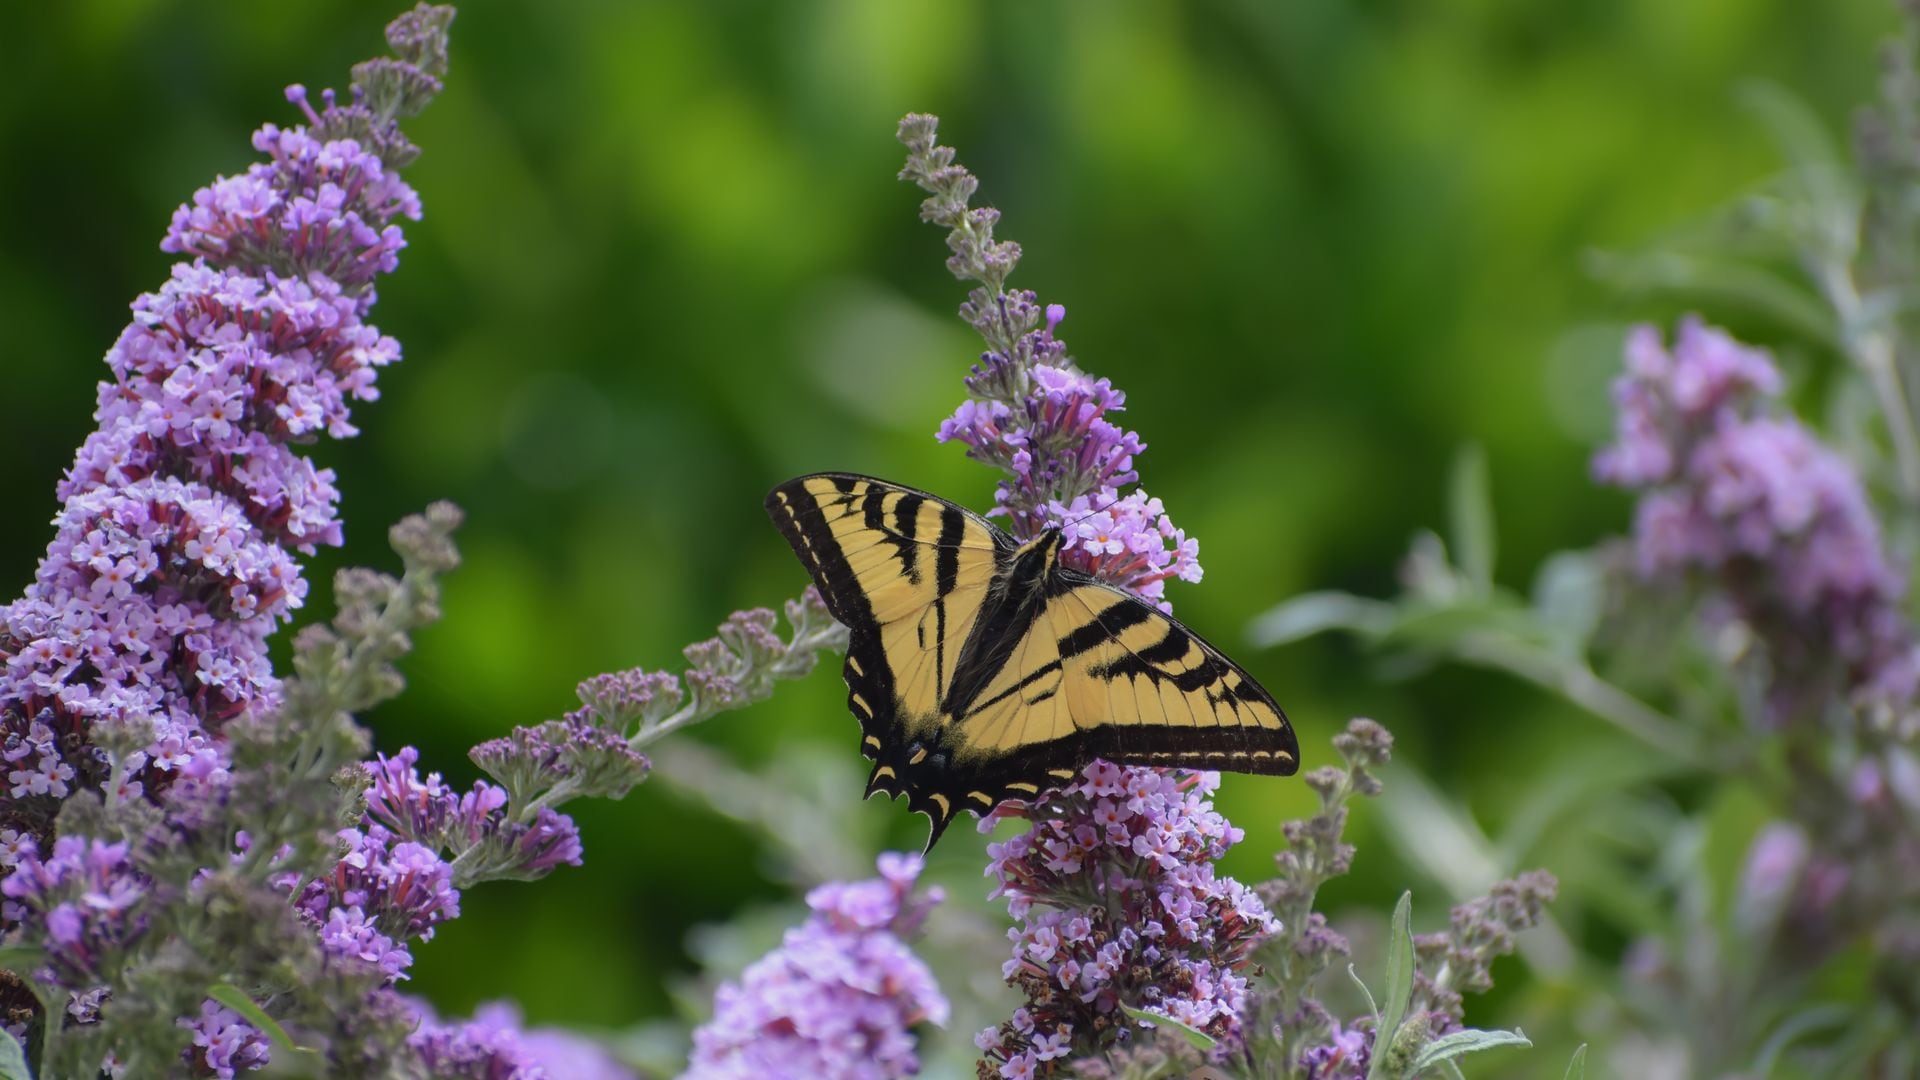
[981, 669]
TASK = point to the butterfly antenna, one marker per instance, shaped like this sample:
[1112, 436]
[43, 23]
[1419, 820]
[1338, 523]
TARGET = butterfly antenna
[1108, 505]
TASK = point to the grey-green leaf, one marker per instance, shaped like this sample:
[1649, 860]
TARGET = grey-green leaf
[1317, 612]
[1465, 1041]
[13, 1058]
[1719, 281]
[239, 1001]
[1372, 1006]
[1470, 502]
[1196, 1038]
[1567, 599]
[1577, 1068]
[1399, 981]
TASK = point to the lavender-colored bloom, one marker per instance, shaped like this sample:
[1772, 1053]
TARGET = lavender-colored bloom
[573, 755]
[839, 998]
[223, 1044]
[316, 208]
[494, 1046]
[1117, 903]
[1774, 865]
[1460, 960]
[383, 892]
[1755, 503]
[79, 902]
[1347, 1055]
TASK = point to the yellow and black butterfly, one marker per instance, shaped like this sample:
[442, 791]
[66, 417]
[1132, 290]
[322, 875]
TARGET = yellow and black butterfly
[983, 670]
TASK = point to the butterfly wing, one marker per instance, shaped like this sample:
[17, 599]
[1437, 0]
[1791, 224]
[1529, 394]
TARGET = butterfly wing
[907, 573]
[1102, 673]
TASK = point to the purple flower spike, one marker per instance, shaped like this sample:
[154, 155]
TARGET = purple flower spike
[1116, 903]
[1035, 416]
[83, 900]
[493, 1046]
[838, 998]
[1754, 502]
[223, 1044]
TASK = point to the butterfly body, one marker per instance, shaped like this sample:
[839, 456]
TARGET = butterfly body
[982, 669]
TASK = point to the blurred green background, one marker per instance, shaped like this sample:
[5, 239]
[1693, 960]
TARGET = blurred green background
[665, 264]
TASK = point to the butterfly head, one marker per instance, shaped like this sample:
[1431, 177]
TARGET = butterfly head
[1037, 558]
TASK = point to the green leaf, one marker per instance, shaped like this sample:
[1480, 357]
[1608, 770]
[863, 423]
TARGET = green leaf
[1196, 1038]
[1567, 599]
[1470, 503]
[1443, 627]
[13, 1058]
[1793, 1029]
[1465, 1041]
[1317, 612]
[1372, 1006]
[1710, 281]
[237, 999]
[1399, 982]
[1577, 1068]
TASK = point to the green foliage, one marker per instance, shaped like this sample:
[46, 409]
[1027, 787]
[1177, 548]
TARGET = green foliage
[13, 1059]
[1399, 984]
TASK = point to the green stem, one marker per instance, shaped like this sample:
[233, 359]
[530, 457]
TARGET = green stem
[1869, 345]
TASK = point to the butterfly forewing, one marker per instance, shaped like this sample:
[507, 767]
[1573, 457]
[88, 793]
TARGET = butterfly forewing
[1149, 691]
[977, 679]
[906, 572]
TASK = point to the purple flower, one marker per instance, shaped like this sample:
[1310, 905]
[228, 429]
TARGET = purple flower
[383, 892]
[317, 207]
[1347, 1055]
[1117, 903]
[223, 1044]
[83, 900]
[838, 998]
[1756, 504]
[493, 1046]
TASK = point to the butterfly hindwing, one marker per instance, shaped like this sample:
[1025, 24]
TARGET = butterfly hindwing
[981, 670]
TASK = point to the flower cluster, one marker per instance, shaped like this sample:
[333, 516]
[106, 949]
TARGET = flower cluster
[316, 208]
[1117, 903]
[1032, 414]
[1459, 960]
[1754, 502]
[492, 1046]
[488, 831]
[81, 901]
[223, 1044]
[1286, 1007]
[382, 892]
[841, 995]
